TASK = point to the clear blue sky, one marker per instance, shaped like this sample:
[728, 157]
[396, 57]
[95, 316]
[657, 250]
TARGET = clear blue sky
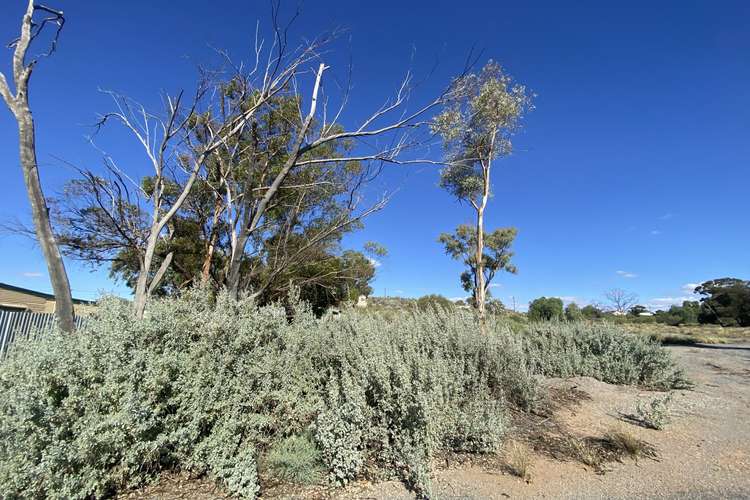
[633, 171]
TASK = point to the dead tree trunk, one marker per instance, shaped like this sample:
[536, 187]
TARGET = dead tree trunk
[40, 214]
[19, 105]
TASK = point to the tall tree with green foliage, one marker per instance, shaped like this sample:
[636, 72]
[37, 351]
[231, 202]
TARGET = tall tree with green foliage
[573, 312]
[476, 129]
[592, 312]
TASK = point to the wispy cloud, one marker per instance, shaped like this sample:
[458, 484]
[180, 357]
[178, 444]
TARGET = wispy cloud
[32, 275]
[495, 285]
[666, 216]
[567, 299]
[398, 292]
[626, 274]
[655, 232]
[664, 302]
[375, 262]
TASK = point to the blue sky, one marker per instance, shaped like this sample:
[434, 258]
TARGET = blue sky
[632, 172]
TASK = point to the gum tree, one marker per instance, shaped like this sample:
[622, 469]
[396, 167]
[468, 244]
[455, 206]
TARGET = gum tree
[496, 255]
[18, 103]
[476, 129]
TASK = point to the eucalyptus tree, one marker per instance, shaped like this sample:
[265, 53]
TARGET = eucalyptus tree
[476, 129]
[18, 102]
[165, 138]
[496, 255]
[315, 141]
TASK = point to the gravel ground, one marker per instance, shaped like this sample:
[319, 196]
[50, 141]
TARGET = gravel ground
[703, 453]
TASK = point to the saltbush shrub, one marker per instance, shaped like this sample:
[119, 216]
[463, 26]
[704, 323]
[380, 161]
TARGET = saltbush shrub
[295, 459]
[213, 386]
[602, 351]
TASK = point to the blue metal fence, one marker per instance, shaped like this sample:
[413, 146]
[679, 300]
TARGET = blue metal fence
[21, 324]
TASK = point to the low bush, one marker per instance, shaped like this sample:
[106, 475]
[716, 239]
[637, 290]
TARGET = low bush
[295, 459]
[654, 415]
[602, 351]
[215, 386]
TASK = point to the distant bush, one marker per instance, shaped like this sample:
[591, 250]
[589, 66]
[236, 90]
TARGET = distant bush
[592, 312]
[602, 351]
[428, 302]
[573, 312]
[215, 387]
[686, 314]
[546, 309]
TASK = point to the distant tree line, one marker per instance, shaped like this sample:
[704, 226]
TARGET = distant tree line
[723, 301]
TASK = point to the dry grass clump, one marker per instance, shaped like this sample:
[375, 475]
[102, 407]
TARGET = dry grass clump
[597, 452]
[586, 453]
[519, 460]
[626, 444]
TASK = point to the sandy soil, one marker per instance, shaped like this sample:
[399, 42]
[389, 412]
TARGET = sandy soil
[703, 453]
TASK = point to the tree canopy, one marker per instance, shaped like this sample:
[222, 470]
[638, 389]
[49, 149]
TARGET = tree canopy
[496, 257]
[546, 309]
[725, 301]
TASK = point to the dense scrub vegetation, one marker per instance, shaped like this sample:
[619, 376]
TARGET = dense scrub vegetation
[218, 386]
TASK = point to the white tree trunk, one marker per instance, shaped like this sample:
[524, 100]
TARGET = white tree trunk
[479, 295]
[40, 214]
[19, 105]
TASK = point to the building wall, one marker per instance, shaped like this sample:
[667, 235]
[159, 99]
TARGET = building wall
[34, 303]
[31, 302]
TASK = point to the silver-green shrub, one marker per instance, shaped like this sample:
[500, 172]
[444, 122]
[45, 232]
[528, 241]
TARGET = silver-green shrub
[655, 414]
[399, 391]
[600, 350]
[210, 385]
[295, 459]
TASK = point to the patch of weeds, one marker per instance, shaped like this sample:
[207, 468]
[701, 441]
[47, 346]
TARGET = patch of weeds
[585, 452]
[296, 460]
[598, 452]
[655, 414]
[519, 461]
[623, 443]
[652, 415]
